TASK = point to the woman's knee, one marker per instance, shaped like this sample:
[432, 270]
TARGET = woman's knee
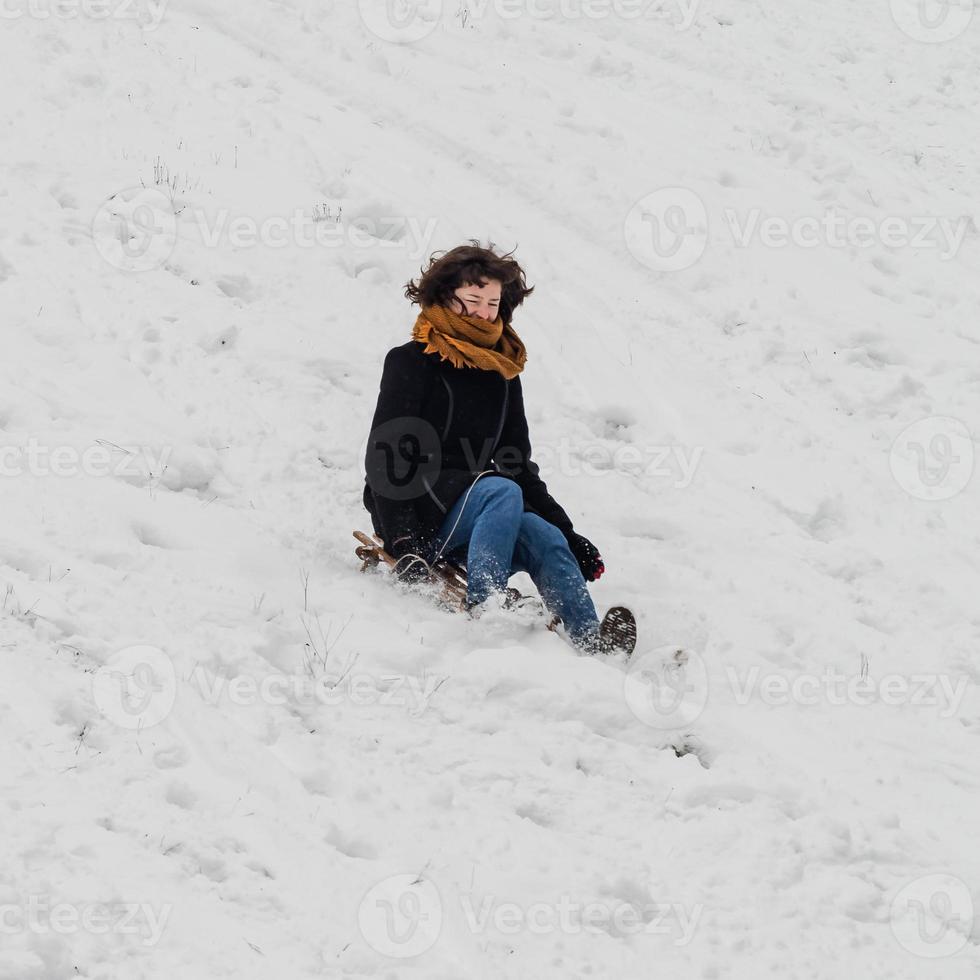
[504, 496]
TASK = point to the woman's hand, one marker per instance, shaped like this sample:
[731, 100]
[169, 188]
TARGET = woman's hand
[587, 555]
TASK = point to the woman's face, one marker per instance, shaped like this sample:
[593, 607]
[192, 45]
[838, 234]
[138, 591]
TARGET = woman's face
[482, 301]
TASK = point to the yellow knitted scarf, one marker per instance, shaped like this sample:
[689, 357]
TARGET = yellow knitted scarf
[468, 341]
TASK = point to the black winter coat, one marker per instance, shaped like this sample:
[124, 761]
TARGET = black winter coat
[435, 428]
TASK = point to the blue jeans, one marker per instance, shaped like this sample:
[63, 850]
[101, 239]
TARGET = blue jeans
[488, 529]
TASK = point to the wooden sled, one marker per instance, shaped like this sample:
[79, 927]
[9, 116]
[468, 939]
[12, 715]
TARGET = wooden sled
[452, 578]
[446, 574]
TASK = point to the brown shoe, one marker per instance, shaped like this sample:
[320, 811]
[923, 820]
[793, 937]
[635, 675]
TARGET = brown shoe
[617, 631]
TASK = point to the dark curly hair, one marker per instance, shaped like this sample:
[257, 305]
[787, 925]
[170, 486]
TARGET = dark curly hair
[470, 265]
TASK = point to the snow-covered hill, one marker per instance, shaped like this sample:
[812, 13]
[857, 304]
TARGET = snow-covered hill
[754, 382]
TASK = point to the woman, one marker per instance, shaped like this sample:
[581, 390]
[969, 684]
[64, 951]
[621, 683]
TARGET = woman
[448, 464]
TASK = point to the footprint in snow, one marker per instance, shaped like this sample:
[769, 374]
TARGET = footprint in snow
[238, 287]
[180, 794]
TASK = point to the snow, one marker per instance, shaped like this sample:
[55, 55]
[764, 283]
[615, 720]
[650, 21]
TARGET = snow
[752, 381]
